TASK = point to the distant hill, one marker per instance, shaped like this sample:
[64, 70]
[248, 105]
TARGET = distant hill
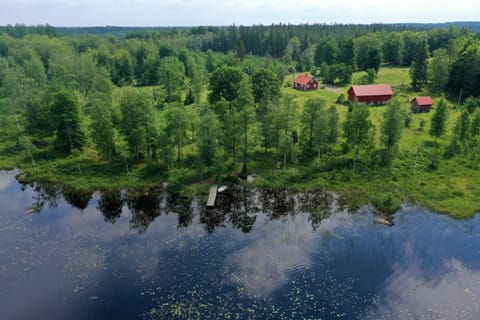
[120, 31]
[470, 25]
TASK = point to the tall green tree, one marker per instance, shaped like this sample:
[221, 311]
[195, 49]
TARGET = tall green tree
[209, 133]
[368, 51]
[288, 120]
[471, 104]
[102, 127]
[392, 126]
[347, 53]
[267, 85]
[65, 114]
[293, 51]
[418, 69]
[439, 120]
[475, 125]
[438, 70]
[138, 123]
[333, 121]
[374, 59]
[150, 75]
[358, 130]
[246, 113]
[475, 133]
[35, 70]
[461, 136]
[197, 83]
[326, 51]
[267, 112]
[313, 123]
[464, 77]
[393, 47]
[224, 83]
[170, 74]
[178, 120]
[123, 69]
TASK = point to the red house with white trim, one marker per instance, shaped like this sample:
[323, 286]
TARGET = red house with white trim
[371, 94]
[422, 104]
[305, 82]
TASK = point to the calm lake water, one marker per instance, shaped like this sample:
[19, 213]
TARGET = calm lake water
[144, 254]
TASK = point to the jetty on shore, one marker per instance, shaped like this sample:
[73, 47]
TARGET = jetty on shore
[212, 196]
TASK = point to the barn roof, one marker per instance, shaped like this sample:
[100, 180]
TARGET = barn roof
[423, 101]
[303, 79]
[372, 90]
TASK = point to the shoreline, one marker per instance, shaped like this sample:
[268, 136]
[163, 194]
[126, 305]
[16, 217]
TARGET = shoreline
[386, 196]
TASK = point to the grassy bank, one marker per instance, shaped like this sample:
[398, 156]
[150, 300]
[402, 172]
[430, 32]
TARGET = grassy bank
[451, 189]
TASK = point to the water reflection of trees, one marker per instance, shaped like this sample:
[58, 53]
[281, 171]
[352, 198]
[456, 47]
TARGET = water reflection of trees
[319, 205]
[49, 193]
[45, 194]
[144, 203]
[182, 206]
[236, 203]
[110, 205]
[277, 203]
[76, 198]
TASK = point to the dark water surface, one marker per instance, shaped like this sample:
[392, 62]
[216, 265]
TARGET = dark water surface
[144, 254]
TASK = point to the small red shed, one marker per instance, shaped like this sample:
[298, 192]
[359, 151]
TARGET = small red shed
[422, 104]
[370, 94]
[305, 82]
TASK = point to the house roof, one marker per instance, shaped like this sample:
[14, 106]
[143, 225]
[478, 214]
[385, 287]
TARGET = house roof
[423, 101]
[303, 79]
[372, 90]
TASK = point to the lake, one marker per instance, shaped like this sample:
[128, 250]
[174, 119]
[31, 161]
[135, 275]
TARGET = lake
[260, 254]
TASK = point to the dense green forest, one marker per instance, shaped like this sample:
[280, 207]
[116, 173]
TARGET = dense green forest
[202, 104]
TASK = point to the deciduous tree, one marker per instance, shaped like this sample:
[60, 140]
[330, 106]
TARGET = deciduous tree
[439, 120]
[358, 129]
[65, 113]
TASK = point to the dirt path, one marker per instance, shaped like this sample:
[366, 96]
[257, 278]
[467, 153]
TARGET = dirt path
[333, 88]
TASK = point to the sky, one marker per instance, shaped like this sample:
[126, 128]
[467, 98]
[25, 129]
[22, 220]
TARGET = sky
[227, 12]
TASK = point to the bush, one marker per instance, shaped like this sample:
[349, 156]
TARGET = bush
[342, 99]
[386, 203]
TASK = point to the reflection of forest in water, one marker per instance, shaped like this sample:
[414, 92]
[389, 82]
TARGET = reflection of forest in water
[238, 205]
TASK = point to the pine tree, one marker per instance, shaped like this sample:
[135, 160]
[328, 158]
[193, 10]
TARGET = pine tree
[418, 69]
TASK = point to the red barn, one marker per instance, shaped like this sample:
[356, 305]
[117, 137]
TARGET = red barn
[370, 94]
[422, 104]
[305, 82]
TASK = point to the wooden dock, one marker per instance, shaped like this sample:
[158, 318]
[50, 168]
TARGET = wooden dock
[212, 196]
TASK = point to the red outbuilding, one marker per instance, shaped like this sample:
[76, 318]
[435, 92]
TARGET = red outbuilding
[422, 104]
[305, 82]
[371, 94]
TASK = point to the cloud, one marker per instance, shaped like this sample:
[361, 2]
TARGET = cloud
[278, 247]
[453, 294]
